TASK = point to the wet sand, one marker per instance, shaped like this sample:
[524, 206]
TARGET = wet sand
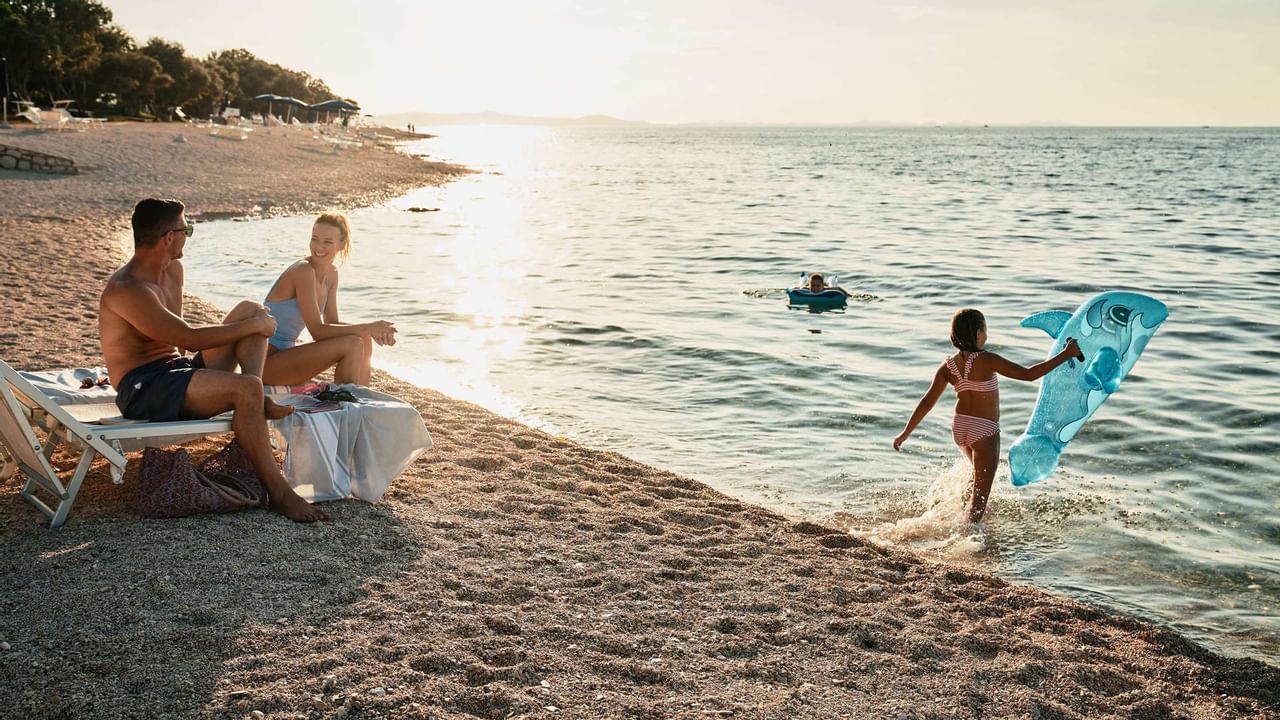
[507, 573]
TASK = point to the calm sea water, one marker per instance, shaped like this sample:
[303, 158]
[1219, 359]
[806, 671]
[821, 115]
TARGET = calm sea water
[623, 287]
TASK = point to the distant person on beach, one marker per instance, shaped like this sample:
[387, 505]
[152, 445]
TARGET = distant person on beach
[141, 328]
[976, 426]
[306, 295]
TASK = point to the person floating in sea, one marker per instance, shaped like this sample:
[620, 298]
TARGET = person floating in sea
[141, 329]
[817, 283]
[306, 294]
[973, 372]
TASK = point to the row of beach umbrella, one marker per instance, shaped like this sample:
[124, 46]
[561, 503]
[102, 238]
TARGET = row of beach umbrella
[326, 106]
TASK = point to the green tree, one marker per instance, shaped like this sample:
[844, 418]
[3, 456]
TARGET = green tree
[24, 27]
[208, 85]
[190, 79]
[60, 49]
[254, 76]
[113, 38]
[133, 79]
[53, 46]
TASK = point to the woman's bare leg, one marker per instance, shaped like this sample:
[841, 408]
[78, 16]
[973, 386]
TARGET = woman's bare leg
[301, 363]
[247, 353]
[365, 373]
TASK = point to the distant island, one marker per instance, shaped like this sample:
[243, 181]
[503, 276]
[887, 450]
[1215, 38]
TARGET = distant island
[427, 119]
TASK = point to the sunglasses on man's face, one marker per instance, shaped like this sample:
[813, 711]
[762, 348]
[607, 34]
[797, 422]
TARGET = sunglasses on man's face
[188, 230]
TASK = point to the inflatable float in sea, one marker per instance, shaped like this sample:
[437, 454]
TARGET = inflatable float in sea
[829, 294]
[804, 296]
[1112, 328]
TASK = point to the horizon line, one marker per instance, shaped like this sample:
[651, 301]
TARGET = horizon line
[613, 120]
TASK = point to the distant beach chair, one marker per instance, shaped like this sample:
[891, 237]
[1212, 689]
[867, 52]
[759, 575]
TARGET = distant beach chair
[79, 124]
[90, 425]
[377, 139]
[340, 143]
[45, 119]
[178, 113]
[237, 128]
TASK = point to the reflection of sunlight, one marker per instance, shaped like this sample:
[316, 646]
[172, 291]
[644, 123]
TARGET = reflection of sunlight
[469, 387]
[484, 261]
[489, 304]
[473, 386]
[474, 350]
[507, 149]
[488, 253]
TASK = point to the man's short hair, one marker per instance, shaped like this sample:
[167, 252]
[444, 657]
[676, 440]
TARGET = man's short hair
[152, 218]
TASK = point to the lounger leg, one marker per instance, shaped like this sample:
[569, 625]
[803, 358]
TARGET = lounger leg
[8, 466]
[56, 436]
[117, 471]
[58, 515]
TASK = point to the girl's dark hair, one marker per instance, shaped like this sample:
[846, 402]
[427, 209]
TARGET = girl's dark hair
[965, 325]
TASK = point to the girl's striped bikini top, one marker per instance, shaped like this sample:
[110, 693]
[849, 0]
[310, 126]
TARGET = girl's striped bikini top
[962, 381]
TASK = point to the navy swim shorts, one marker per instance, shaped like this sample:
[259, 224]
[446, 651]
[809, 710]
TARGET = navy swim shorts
[155, 391]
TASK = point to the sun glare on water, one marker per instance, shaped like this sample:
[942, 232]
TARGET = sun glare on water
[479, 262]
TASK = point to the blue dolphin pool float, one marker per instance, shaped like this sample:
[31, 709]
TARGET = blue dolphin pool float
[1112, 329]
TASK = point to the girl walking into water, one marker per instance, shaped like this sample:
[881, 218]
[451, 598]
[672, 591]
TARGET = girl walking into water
[973, 372]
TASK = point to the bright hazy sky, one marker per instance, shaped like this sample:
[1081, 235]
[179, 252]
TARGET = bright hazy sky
[1097, 62]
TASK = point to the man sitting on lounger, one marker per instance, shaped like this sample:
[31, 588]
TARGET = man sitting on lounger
[141, 326]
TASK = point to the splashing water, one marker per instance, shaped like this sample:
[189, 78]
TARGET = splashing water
[943, 528]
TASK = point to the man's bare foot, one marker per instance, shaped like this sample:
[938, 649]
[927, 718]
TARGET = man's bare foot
[274, 410]
[296, 509]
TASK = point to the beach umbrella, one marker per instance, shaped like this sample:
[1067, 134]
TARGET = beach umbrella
[292, 103]
[335, 104]
[268, 98]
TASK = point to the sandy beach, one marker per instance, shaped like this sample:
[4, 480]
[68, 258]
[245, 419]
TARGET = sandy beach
[508, 572]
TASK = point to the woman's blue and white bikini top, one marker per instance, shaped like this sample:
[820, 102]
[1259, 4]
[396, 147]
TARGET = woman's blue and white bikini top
[289, 322]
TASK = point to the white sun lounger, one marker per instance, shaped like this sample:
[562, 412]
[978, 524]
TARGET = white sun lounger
[45, 119]
[93, 429]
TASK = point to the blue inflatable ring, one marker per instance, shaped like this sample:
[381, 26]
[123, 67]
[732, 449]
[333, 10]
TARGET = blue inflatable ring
[801, 296]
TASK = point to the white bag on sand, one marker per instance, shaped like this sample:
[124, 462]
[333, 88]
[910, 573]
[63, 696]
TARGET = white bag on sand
[392, 435]
[318, 447]
[355, 449]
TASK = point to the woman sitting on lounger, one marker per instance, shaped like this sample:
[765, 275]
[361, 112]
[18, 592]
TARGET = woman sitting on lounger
[306, 294]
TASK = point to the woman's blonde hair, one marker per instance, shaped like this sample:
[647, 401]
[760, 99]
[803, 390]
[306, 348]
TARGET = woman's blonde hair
[339, 221]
